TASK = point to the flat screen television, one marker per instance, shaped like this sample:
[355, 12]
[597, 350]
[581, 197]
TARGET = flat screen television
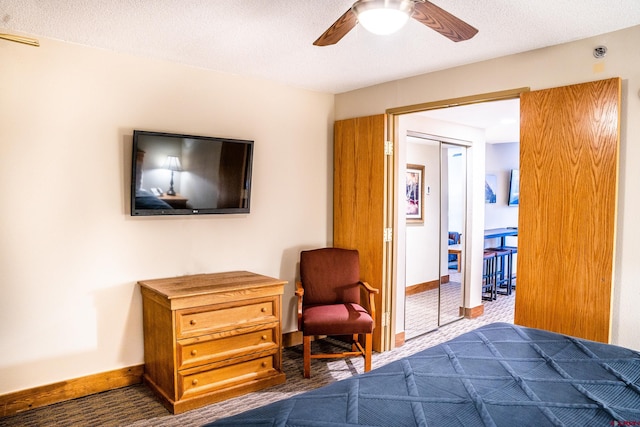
[514, 188]
[174, 174]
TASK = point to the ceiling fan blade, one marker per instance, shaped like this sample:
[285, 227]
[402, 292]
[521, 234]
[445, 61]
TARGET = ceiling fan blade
[442, 21]
[20, 39]
[338, 30]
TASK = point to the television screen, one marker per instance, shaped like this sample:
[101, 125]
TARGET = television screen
[514, 188]
[175, 174]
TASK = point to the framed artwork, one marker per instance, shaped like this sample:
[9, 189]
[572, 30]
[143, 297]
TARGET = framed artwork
[514, 188]
[490, 188]
[414, 193]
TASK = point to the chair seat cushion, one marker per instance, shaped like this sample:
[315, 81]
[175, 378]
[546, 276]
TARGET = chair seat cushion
[336, 319]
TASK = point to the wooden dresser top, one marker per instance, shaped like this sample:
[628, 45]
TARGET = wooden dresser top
[205, 284]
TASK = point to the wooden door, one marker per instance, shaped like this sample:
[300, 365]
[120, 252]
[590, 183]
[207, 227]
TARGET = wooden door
[359, 185]
[569, 141]
[232, 177]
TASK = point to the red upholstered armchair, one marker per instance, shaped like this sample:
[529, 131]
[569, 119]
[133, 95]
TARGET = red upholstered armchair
[329, 302]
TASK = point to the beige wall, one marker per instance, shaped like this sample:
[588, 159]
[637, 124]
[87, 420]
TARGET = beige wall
[544, 68]
[70, 253]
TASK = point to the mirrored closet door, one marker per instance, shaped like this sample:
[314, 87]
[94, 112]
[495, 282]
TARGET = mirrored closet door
[452, 226]
[434, 234]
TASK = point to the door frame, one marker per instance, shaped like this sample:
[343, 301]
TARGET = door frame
[475, 234]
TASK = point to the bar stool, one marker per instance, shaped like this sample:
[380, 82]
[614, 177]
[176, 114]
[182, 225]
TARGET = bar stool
[489, 290]
[512, 274]
[504, 264]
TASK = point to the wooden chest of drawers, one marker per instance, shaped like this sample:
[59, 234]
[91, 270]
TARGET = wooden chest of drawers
[209, 337]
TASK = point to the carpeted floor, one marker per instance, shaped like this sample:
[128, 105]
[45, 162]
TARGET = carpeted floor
[136, 405]
[421, 309]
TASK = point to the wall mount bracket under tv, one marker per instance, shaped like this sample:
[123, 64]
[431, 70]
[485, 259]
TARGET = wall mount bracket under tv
[173, 174]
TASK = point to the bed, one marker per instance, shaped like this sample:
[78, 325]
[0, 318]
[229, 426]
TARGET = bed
[497, 375]
[145, 199]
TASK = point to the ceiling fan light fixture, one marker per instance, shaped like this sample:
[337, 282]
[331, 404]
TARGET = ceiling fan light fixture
[383, 17]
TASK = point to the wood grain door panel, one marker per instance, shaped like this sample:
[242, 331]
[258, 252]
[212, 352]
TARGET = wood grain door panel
[358, 199]
[568, 195]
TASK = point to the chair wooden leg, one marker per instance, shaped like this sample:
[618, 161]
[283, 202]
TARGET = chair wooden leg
[367, 352]
[354, 339]
[306, 346]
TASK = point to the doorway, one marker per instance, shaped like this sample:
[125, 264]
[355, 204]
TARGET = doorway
[389, 132]
[461, 126]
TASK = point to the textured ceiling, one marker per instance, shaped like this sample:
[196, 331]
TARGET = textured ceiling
[272, 39]
[499, 119]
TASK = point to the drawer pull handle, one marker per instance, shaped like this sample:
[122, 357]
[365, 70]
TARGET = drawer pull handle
[193, 322]
[194, 382]
[194, 352]
[264, 364]
[264, 337]
[263, 309]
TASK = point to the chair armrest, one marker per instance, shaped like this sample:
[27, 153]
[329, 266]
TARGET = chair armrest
[299, 293]
[372, 305]
[369, 288]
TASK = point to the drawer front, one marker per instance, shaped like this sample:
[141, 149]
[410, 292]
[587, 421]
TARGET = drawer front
[217, 318]
[202, 352]
[205, 381]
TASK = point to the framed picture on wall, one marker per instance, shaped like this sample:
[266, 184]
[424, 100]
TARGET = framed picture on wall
[514, 188]
[414, 193]
[490, 188]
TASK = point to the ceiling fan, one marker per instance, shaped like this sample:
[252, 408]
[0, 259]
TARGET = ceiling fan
[399, 12]
[20, 39]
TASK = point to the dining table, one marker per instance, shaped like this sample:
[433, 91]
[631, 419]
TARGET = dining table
[501, 233]
[457, 251]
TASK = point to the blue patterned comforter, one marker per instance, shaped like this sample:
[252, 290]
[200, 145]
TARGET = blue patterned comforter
[496, 375]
